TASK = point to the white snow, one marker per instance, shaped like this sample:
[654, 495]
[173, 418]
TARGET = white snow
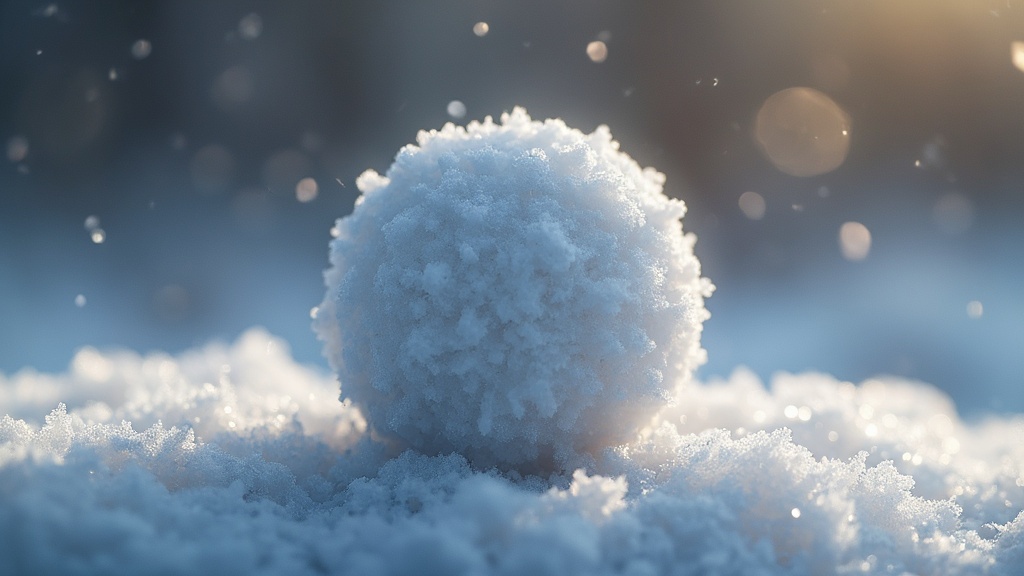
[233, 459]
[520, 293]
[85, 492]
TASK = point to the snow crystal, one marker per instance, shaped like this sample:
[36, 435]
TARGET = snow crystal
[520, 293]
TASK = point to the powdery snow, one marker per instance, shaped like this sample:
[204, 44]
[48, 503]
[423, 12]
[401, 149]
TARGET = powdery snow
[514, 312]
[521, 293]
[85, 492]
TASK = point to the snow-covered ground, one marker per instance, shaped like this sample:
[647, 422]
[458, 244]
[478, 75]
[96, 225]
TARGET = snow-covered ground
[232, 459]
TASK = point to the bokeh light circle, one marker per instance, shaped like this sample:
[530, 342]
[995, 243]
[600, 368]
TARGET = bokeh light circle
[803, 132]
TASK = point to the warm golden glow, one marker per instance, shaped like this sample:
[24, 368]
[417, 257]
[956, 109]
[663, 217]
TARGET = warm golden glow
[1017, 53]
[803, 132]
[854, 241]
[597, 51]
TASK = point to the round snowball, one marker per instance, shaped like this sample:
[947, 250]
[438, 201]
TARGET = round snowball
[520, 293]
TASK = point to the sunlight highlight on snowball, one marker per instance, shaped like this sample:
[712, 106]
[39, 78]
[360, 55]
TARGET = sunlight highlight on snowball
[17, 148]
[854, 241]
[141, 49]
[481, 29]
[597, 51]
[975, 309]
[752, 204]
[803, 132]
[306, 190]
[250, 26]
[456, 109]
[1017, 54]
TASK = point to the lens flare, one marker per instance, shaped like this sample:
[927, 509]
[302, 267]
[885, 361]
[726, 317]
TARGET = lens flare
[752, 204]
[854, 241]
[597, 51]
[803, 132]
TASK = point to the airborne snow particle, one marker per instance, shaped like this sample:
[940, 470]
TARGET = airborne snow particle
[80, 301]
[974, 309]
[597, 51]
[854, 240]
[141, 49]
[481, 29]
[752, 205]
[17, 148]
[519, 292]
[98, 236]
[456, 109]
[250, 26]
[306, 190]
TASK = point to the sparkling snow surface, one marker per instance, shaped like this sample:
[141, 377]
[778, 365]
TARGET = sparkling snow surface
[233, 459]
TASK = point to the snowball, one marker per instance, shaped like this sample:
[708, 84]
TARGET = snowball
[520, 293]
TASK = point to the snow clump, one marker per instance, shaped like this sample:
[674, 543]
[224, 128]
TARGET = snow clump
[520, 293]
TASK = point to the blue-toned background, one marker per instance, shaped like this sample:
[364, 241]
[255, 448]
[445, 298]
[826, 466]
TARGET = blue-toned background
[188, 147]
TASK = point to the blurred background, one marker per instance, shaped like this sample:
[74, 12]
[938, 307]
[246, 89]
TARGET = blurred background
[854, 170]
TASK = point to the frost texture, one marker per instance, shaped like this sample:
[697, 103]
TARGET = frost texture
[84, 492]
[520, 293]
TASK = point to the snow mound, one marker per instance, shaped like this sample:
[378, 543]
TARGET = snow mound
[760, 489]
[520, 293]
